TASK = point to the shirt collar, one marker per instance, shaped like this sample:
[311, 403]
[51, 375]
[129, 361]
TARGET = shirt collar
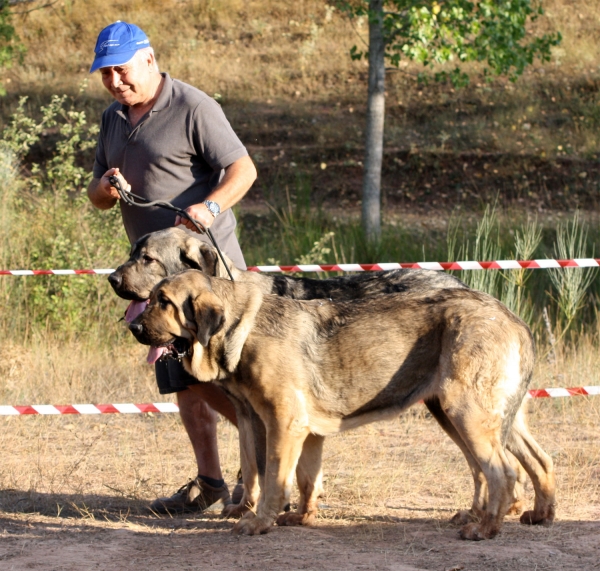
[166, 94]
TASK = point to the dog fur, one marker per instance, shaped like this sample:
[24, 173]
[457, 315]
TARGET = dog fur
[164, 253]
[167, 252]
[349, 363]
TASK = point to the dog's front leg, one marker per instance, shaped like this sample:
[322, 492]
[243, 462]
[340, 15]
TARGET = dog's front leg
[310, 483]
[248, 460]
[284, 446]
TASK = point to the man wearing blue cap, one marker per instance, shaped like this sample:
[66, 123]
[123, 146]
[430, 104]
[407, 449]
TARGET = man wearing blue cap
[166, 140]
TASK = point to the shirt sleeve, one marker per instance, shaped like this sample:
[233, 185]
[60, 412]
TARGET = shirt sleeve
[100, 162]
[213, 137]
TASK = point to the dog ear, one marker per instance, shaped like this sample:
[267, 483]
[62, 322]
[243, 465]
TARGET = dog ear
[209, 318]
[198, 255]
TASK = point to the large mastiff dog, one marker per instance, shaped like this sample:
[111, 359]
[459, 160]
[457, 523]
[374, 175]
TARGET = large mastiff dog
[167, 252]
[313, 368]
[164, 253]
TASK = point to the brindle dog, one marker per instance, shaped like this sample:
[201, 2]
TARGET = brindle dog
[313, 368]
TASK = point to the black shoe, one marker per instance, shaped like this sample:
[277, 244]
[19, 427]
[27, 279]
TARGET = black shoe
[194, 497]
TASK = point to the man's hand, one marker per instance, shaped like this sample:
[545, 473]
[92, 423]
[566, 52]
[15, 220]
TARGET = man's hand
[238, 178]
[102, 193]
[198, 212]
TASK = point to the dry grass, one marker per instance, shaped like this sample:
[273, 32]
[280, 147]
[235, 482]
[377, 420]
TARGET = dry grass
[292, 92]
[387, 470]
[390, 490]
[296, 99]
[235, 48]
[74, 487]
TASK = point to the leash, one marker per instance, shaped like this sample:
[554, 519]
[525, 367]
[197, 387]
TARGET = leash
[130, 199]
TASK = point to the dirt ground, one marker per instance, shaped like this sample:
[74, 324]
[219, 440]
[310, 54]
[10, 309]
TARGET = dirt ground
[35, 542]
[73, 492]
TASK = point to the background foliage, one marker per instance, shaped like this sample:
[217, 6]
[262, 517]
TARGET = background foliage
[285, 79]
[460, 31]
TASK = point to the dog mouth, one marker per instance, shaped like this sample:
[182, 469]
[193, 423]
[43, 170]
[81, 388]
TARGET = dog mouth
[135, 308]
[177, 349]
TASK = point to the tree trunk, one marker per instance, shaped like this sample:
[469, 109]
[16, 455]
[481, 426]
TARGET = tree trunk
[371, 193]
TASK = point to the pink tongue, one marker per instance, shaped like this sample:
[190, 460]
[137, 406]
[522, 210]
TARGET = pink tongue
[154, 354]
[134, 309]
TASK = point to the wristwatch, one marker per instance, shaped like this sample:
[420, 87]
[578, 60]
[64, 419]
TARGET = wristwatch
[213, 207]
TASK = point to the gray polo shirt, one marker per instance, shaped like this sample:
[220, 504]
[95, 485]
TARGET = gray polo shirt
[176, 153]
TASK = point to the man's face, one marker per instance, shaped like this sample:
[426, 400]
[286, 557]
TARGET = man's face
[130, 83]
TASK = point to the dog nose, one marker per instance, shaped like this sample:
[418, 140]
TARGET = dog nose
[114, 279]
[136, 328]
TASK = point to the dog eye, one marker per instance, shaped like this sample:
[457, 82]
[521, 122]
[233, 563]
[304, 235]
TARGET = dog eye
[163, 301]
[147, 259]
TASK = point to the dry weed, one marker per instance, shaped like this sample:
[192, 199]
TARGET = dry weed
[402, 470]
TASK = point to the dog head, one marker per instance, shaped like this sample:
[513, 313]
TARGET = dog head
[161, 254]
[181, 319]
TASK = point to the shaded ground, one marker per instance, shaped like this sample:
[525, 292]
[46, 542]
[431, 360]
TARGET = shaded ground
[289, 144]
[74, 491]
[318, 148]
[44, 543]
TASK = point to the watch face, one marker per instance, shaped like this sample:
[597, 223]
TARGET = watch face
[213, 207]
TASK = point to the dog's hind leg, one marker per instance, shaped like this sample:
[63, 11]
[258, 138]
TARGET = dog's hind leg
[481, 430]
[518, 496]
[310, 478]
[540, 468]
[480, 493]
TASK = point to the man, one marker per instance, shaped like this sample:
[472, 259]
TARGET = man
[167, 140]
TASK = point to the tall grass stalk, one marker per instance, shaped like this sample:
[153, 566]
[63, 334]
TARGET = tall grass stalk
[485, 246]
[571, 284]
[514, 293]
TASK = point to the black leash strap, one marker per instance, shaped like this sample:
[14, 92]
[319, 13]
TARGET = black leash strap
[130, 199]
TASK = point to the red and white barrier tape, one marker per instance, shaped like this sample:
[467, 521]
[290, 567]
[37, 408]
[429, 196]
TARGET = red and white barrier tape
[53, 272]
[465, 265]
[89, 408]
[156, 407]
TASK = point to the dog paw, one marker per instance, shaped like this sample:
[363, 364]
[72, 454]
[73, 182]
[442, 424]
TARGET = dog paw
[235, 510]
[516, 508]
[477, 532]
[253, 525]
[295, 518]
[531, 517]
[463, 517]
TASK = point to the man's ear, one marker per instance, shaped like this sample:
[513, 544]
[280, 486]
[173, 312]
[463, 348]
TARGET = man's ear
[209, 317]
[198, 255]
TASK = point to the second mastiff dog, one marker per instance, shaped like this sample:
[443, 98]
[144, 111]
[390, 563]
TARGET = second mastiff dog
[313, 368]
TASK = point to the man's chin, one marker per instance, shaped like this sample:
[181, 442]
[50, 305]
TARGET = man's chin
[125, 98]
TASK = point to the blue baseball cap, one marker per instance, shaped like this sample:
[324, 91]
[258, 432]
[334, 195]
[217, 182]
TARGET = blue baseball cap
[117, 44]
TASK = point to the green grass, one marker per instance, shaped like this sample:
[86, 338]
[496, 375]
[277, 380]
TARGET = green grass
[289, 88]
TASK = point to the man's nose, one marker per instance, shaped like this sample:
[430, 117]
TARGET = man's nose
[114, 78]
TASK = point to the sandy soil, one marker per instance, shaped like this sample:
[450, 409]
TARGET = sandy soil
[418, 542]
[73, 493]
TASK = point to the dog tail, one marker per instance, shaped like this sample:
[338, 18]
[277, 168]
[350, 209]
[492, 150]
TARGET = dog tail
[526, 368]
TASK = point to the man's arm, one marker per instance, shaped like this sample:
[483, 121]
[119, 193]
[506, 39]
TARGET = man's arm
[239, 177]
[101, 193]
